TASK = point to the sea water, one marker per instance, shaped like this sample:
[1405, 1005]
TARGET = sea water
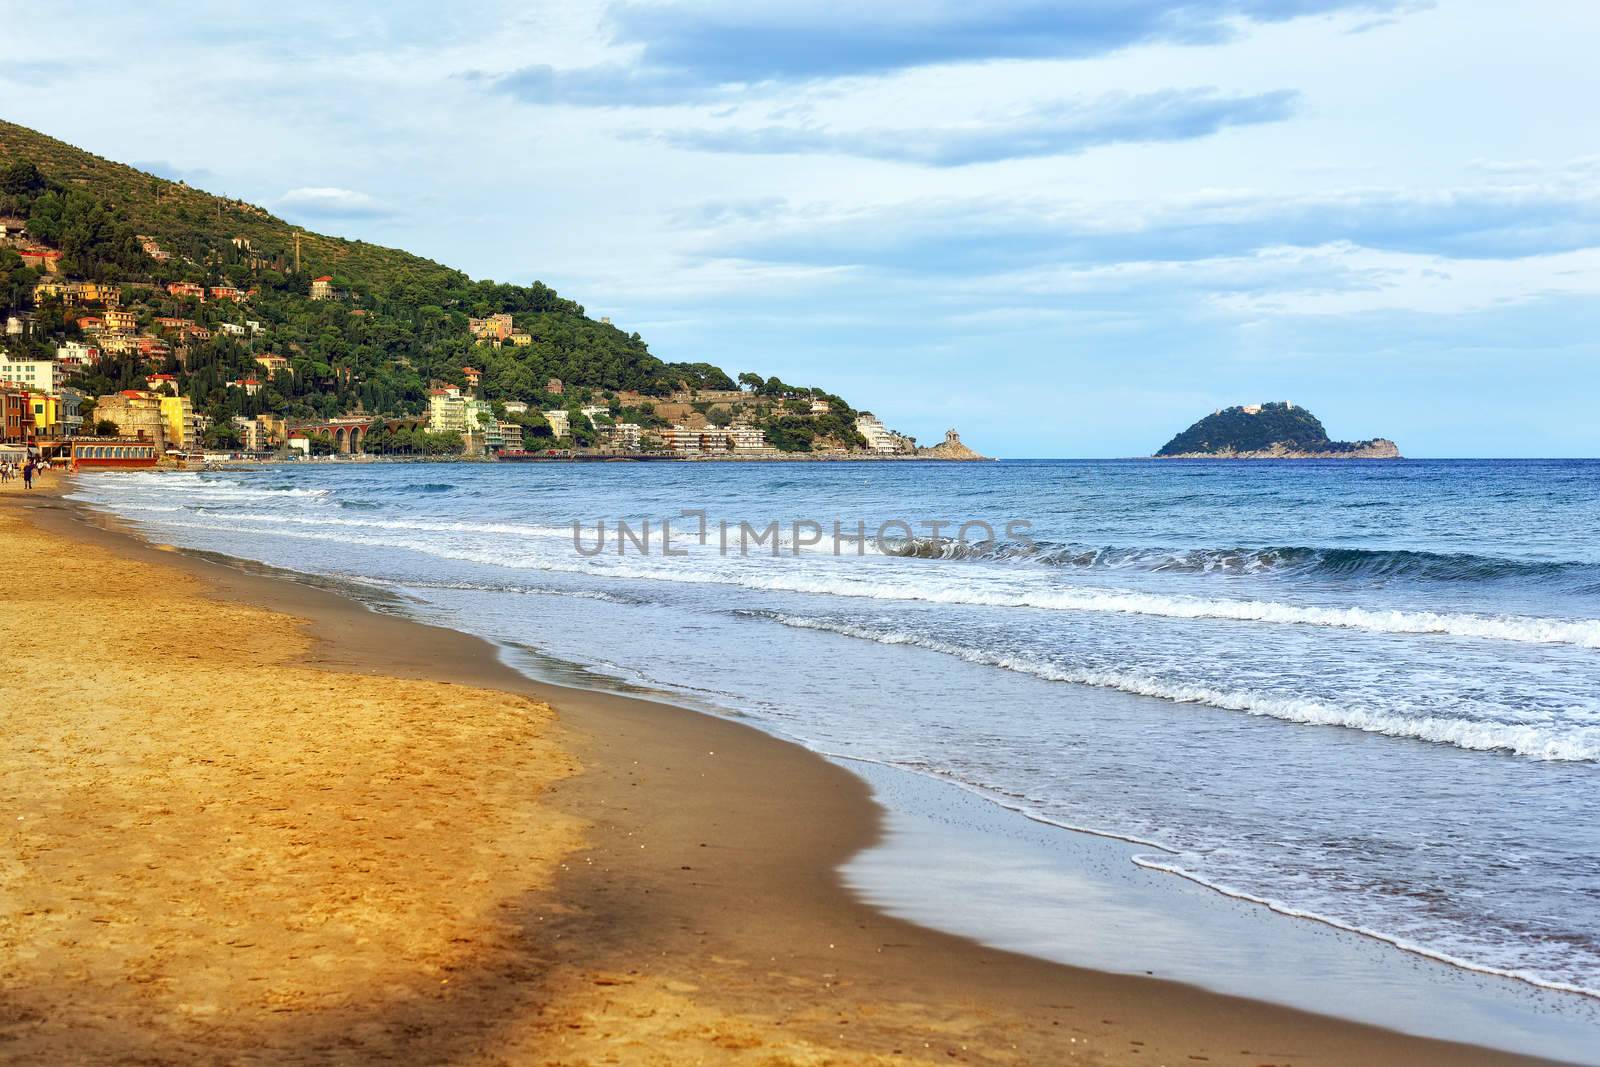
[1363, 692]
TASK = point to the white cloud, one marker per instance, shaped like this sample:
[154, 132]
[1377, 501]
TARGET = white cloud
[330, 202]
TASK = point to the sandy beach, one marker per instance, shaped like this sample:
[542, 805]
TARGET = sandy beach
[249, 820]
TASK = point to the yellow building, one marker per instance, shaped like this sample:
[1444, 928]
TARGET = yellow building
[46, 415]
[181, 424]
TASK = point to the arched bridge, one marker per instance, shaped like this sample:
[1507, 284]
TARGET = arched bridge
[349, 432]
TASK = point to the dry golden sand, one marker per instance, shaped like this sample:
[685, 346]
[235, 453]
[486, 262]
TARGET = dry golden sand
[213, 854]
[236, 833]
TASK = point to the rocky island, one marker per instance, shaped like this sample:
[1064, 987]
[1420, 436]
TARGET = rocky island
[1269, 431]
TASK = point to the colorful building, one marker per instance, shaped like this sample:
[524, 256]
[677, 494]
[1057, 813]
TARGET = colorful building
[122, 454]
[182, 425]
[495, 328]
[16, 414]
[119, 320]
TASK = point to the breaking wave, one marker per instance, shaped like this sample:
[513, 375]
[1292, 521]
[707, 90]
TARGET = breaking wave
[1573, 743]
[1288, 560]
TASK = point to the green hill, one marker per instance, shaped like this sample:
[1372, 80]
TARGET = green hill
[398, 323]
[1271, 430]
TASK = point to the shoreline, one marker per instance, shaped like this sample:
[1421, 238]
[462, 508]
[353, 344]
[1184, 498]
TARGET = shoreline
[730, 915]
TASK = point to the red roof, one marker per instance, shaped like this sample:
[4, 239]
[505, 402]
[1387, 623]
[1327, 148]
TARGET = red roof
[162, 378]
[325, 278]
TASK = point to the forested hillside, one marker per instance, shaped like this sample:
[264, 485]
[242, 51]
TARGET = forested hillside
[1260, 428]
[394, 322]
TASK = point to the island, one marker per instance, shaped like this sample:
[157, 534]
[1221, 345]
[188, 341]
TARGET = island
[1269, 431]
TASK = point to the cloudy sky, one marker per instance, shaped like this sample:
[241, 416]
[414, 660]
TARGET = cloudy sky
[1068, 228]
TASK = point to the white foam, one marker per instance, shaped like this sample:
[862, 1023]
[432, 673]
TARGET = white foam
[1576, 743]
[880, 579]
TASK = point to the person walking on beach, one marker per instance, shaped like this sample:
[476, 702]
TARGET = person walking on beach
[27, 474]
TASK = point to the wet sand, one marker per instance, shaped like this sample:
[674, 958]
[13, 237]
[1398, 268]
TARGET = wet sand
[249, 820]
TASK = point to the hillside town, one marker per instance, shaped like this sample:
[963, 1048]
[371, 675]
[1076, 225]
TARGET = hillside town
[144, 427]
[130, 349]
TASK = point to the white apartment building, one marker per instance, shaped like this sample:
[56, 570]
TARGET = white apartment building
[879, 437]
[447, 410]
[77, 354]
[39, 375]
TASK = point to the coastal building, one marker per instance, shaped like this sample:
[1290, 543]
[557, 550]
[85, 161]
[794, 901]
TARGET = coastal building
[136, 414]
[880, 438]
[70, 404]
[187, 290]
[181, 422]
[516, 407]
[261, 434]
[16, 414]
[559, 424]
[447, 410]
[54, 417]
[40, 375]
[489, 436]
[249, 431]
[251, 385]
[322, 288]
[510, 433]
[554, 387]
[521, 338]
[14, 326]
[820, 407]
[594, 413]
[119, 320]
[623, 437]
[162, 383]
[711, 440]
[473, 376]
[226, 292]
[123, 454]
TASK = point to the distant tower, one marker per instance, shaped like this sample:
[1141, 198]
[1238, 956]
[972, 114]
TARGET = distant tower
[297, 253]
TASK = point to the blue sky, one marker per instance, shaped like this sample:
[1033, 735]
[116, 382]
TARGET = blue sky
[1067, 228]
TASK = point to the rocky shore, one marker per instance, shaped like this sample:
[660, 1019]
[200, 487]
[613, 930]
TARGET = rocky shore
[1377, 448]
